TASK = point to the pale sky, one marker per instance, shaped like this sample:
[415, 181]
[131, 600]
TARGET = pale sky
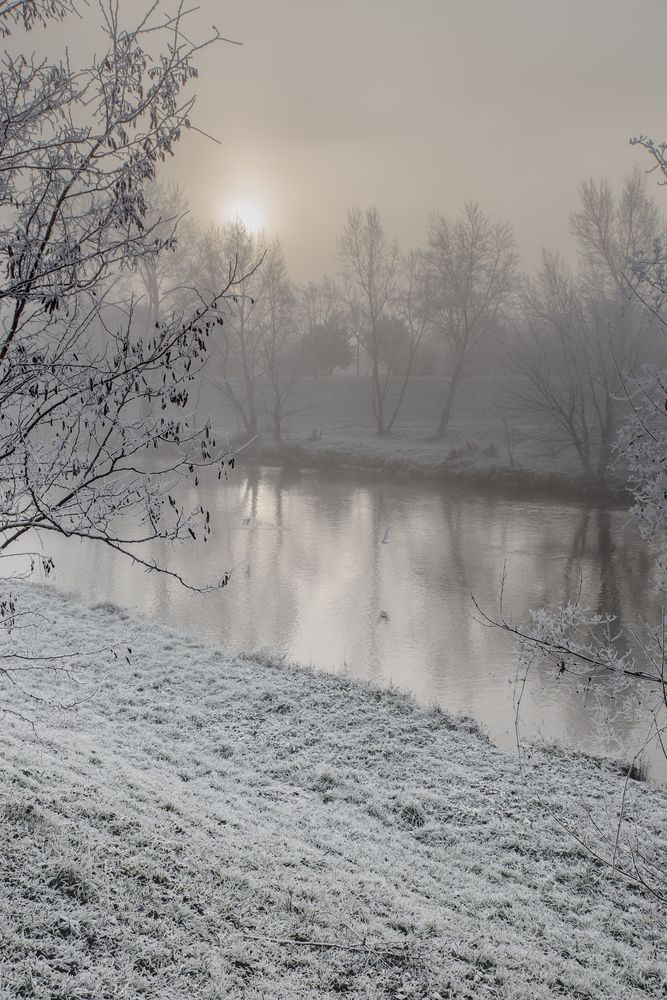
[418, 106]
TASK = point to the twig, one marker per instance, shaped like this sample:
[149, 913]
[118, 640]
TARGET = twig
[308, 943]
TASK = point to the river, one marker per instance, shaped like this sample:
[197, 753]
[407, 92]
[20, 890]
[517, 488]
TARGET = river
[373, 576]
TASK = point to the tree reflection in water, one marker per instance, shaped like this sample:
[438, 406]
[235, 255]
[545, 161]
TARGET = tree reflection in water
[313, 582]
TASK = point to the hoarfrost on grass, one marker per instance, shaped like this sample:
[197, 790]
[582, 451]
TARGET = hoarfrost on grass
[207, 826]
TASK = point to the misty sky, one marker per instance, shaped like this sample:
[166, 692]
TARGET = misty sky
[420, 106]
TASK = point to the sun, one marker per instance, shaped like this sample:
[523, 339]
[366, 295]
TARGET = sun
[249, 210]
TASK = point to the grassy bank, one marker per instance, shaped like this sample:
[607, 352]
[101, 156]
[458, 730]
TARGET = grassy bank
[489, 441]
[397, 456]
[201, 826]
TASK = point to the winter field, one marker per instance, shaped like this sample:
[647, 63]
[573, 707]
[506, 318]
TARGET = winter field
[330, 422]
[200, 826]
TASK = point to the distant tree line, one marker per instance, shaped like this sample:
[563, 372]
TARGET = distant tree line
[562, 339]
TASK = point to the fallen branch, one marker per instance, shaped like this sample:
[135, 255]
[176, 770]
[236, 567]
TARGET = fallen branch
[381, 953]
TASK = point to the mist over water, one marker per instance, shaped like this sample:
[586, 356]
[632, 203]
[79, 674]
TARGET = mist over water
[373, 576]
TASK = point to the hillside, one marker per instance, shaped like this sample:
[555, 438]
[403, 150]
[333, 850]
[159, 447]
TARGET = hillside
[200, 826]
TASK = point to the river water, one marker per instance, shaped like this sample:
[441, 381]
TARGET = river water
[373, 576]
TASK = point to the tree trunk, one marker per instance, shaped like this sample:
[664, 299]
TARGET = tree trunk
[378, 399]
[250, 419]
[404, 386]
[606, 435]
[277, 424]
[449, 403]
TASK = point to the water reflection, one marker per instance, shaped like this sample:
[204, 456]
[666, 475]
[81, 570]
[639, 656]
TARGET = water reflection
[374, 576]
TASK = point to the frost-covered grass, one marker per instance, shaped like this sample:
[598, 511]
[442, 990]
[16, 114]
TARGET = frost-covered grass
[206, 827]
[330, 422]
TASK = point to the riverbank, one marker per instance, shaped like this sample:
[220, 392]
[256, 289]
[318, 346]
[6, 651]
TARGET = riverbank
[474, 467]
[489, 442]
[206, 826]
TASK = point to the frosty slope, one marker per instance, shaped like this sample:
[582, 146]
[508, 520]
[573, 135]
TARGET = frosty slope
[215, 827]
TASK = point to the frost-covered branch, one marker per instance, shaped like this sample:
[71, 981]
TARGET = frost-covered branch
[96, 435]
[85, 394]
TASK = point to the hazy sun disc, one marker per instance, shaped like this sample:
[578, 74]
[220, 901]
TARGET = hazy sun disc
[248, 210]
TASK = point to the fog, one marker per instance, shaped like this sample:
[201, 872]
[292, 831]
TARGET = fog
[332, 359]
[431, 222]
[352, 572]
[511, 105]
[523, 114]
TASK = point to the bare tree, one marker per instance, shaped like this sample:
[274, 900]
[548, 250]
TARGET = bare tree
[77, 147]
[234, 252]
[473, 262]
[413, 314]
[591, 646]
[279, 334]
[417, 297]
[384, 293]
[354, 322]
[583, 333]
[611, 230]
[165, 277]
[565, 363]
[370, 274]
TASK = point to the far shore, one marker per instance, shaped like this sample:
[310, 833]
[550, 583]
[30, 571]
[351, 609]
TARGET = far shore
[473, 470]
[490, 443]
